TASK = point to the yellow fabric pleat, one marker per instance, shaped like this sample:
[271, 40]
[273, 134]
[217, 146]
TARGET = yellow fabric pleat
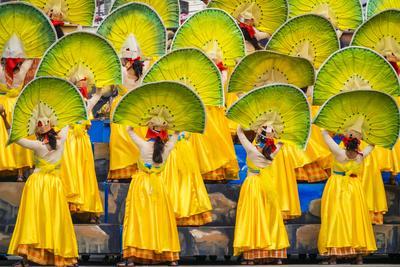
[345, 220]
[44, 220]
[78, 171]
[283, 173]
[13, 156]
[149, 222]
[259, 222]
[374, 189]
[184, 183]
[214, 148]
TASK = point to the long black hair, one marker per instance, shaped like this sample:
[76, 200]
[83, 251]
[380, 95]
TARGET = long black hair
[266, 149]
[137, 66]
[252, 40]
[158, 150]
[51, 137]
[352, 144]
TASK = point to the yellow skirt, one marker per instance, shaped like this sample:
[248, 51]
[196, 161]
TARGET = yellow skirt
[44, 232]
[123, 152]
[259, 224]
[150, 234]
[214, 149]
[346, 226]
[395, 153]
[78, 172]
[12, 157]
[374, 189]
[183, 182]
[283, 172]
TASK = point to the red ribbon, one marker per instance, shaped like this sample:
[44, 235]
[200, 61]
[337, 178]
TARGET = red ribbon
[151, 134]
[396, 67]
[270, 143]
[84, 91]
[346, 141]
[221, 66]
[57, 22]
[248, 28]
[11, 64]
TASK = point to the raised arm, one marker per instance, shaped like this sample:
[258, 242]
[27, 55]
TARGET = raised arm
[171, 142]
[135, 138]
[333, 147]
[261, 35]
[93, 100]
[243, 139]
[367, 150]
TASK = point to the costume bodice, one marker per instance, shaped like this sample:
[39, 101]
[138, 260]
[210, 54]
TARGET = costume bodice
[44, 166]
[251, 167]
[351, 167]
[150, 168]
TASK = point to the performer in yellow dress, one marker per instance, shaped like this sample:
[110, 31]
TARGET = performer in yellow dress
[97, 67]
[260, 233]
[259, 230]
[44, 232]
[372, 116]
[78, 167]
[346, 227]
[150, 234]
[23, 25]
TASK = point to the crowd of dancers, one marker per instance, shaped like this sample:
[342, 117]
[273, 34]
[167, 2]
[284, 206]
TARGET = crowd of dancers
[281, 77]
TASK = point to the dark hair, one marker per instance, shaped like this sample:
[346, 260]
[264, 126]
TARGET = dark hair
[137, 67]
[250, 39]
[158, 150]
[51, 137]
[352, 144]
[266, 151]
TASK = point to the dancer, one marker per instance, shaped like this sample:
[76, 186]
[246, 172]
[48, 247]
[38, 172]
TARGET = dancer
[260, 233]
[182, 176]
[97, 67]
[18, 65]
[346, 227]
[150, 234]
[259, 196]
[44, 232]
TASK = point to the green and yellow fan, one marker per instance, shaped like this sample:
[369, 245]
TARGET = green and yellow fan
[25, 31]
[266, 67]
[82, 55]
[372, 113]
[214, 32]
[136, 28]
[167, 9]
[354, 68]
[169, 104]
[290, 118]
[376, 6]
[73, 11]
[308, 36]
[268, 15]
[343, 14]
[194, 69]
[51, 99]
[380, 33]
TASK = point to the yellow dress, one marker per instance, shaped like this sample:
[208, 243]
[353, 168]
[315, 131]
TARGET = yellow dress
[372, 183]
[44, 232]
[283, 172]
[214, 149]
[78, 172]
[184, 183]
[13, 156]
[346, 227]
[150, 234]
[259, 230]
[123, 152]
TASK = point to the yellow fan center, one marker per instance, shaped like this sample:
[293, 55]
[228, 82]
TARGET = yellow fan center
[325, 10]
[271, 76]
[271, 118]
[388, 45]
[356, 82]
[305, 49]
[158, 115]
